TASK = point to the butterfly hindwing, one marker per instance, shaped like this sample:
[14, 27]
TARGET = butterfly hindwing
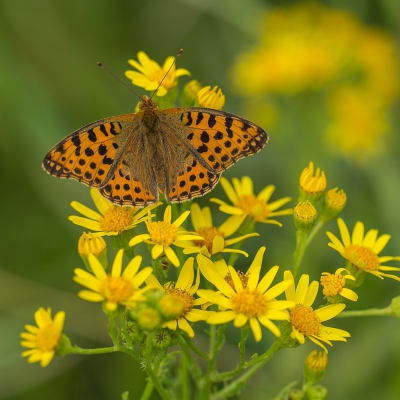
[195, 181]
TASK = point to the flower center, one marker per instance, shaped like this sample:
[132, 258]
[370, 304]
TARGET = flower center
[254, 207]
[305, 320]
[183, 297]
[332, 284]
[243, 278]
[116, 219]
[117, 289]
[250, 303]
[162, 232]
[208, 234]
[169, 80]
[356, 252]
[335, 198]
[48, 337]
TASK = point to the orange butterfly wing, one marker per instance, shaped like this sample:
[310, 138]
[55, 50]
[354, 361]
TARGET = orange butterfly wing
[92, 155]
[219, 140]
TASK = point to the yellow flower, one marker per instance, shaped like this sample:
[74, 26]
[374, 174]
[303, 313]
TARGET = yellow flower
[211, 98]
[112, 220]
[304, 215]
[162, 234]
[245, 298]
[362, 251]
[312, 186]
[214, 241]
[183, 291]
[245, 203]
[115, 288]
[89, 244]
[315, 365]
[151, 74]
[333, 203]
[359, 122]
[305, 320]
[333, 285]
[43, 339]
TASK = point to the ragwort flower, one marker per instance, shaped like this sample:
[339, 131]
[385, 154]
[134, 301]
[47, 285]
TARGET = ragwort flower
[362, 251]
[183, 290]
[162, 234]
[43, 339]
[151, 74]
[211, 98]
[214, 241]
[334, 285]
[244, 298]
[112, 219]
[245, 203]
[115, 288]
[305, 320]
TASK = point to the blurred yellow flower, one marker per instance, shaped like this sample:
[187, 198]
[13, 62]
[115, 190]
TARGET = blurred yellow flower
[307, 46]
[42, 340]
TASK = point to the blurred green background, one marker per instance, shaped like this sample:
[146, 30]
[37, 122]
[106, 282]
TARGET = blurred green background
[50, 86]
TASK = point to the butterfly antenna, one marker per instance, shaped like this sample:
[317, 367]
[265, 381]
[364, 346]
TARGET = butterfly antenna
[104, 67]
[169, 69]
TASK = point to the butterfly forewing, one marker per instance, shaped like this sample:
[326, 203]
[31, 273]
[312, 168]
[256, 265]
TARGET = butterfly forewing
[86, 155]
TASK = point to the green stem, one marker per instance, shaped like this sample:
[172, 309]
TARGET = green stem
[318, 225]
[242, 345]
[372, 312]
[148, 390]
[149, 371]
[236, 386]
[184, 378]
[102, 350]
[192, 347]
[193, 368]
[216, 342]
[301, 246]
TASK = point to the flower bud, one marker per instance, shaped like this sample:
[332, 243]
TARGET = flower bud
[332, 204]
[304, 216]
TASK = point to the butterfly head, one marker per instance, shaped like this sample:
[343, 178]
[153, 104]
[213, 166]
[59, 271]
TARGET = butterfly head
[147, 104]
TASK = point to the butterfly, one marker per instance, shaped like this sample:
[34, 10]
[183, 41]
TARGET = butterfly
[179, 152]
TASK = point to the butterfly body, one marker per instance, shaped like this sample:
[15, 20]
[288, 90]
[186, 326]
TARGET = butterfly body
[180, 152]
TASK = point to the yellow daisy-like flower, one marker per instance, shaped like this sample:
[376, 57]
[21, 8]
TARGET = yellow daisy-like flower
[311, 185]
[362, 251]
[305, 320]
[112, 219]
[162, 234]
[333, 284]
[151, 74]
[245, 203]
[214, 241]
[211, 98]
[43, 339]
[115, 288]
[245, 298]
[183, 290]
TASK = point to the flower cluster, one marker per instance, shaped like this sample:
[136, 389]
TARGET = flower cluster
[307, 46]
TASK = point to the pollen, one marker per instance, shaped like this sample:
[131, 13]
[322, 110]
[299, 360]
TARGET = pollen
[252, 304]
[162, 232]
[332, 284]
[117, 289]
[243, 278]
[48, 337]
[182, 297]
[208, 234]
[254, 207]
[364, 254]
[305, 320]
[116, 219]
